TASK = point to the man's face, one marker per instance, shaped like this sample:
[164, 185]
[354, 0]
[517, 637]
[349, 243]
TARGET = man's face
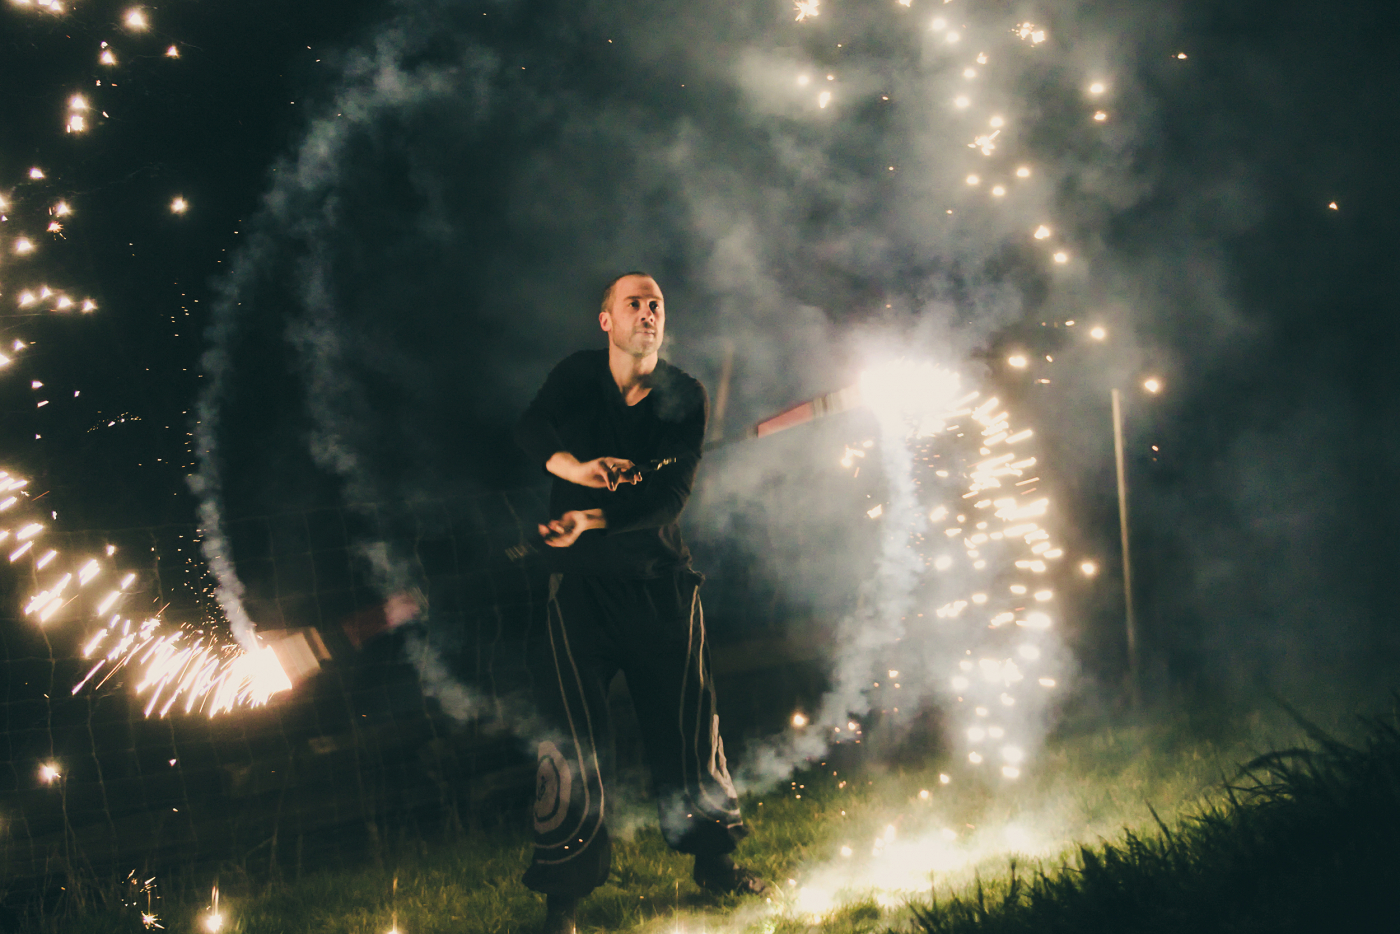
[636, 316]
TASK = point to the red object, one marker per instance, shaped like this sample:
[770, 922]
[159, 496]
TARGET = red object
[368, 623]
[797, 415]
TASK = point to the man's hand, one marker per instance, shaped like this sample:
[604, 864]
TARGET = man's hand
[564, 531]
[601, 473]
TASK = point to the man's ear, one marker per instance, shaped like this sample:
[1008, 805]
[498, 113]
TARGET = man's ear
[604, 321]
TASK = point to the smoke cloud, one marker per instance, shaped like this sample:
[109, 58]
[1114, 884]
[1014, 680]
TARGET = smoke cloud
[809, 195]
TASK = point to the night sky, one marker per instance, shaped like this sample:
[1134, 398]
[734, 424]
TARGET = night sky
[454, 231]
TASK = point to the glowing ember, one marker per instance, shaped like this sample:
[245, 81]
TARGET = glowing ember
[213, 922]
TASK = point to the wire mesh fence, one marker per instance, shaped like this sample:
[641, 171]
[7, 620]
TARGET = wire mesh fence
[356, 756]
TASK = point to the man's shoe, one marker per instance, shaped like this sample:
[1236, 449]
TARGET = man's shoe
[721, 876]
[559, 915]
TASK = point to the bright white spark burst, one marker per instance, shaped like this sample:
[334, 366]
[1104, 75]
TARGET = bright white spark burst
[996, 518]
[1031, 32]
[806, 8]
[174, 665]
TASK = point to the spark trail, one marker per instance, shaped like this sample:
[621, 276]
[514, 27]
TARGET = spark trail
[173, 665]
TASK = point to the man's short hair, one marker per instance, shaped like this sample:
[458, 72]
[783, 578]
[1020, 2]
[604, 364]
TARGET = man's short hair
[608, 292]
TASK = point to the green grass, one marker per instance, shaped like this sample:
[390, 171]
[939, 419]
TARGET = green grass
[1301, 841]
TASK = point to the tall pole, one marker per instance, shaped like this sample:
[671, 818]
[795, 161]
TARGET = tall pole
[721, 403]
[1134, 686]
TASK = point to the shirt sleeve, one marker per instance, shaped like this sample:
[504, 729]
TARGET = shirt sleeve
[661, 497]
[537, 432]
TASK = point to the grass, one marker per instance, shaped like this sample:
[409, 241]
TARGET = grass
[1300, 840]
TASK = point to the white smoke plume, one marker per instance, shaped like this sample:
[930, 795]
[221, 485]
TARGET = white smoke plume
[301, 208]
[458, 189]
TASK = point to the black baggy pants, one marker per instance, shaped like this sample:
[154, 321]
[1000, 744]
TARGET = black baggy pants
[654, 632]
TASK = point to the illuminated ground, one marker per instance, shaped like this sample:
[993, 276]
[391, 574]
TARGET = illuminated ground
[854, 857]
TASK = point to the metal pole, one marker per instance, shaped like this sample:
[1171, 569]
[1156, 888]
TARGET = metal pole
[1134, 686]
[721, 403]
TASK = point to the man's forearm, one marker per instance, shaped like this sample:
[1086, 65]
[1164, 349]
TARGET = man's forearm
[663, 499]
[562, 464]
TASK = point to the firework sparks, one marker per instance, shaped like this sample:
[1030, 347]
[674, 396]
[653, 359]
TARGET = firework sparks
[173, 666]
[806, 8]
[998, 527]
[213, 922]
[185, 667]
[48, 6]
[1030, 32]
[963, 509]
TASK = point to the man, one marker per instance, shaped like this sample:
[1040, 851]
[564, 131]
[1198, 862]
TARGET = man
[621, 431]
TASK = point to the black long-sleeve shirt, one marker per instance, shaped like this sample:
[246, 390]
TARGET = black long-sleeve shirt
[580, 410]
